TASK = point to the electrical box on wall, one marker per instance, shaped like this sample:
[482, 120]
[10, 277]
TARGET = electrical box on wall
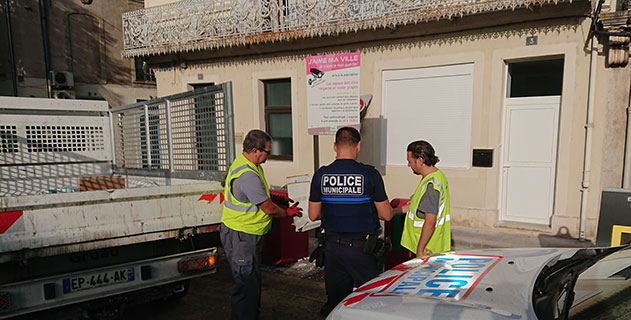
[483, 158]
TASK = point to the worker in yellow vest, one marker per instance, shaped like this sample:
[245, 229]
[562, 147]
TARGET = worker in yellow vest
[246, 217]
[427, 227]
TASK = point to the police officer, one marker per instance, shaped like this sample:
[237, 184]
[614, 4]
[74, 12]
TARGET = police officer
[246, 218]
[349, 198]
[427, 227]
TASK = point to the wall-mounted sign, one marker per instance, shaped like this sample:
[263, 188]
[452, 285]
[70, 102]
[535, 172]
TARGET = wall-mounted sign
[332, 92]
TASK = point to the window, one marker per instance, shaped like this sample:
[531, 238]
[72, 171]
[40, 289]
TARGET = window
[535, 78]
[143, 73]
[278, 117]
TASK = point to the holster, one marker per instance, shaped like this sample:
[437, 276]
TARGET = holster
[382, 248]
[318, 253]
[370, 244]
[321, 238]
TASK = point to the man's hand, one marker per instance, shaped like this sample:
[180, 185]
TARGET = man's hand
[384, 210]
[405, 208]
[426, 252]
[402, 209]
[294, 210]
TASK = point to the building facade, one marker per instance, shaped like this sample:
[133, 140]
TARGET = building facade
[69, 49]
[525, 101]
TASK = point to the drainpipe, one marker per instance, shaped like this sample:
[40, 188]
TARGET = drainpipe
[626, 171]
[11, 51]
[626, 177]
[44, 24]
[589, 125]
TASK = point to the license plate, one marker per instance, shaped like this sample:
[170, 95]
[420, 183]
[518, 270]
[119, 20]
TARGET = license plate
[98, 280]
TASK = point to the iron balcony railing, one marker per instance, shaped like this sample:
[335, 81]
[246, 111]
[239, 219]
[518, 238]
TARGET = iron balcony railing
[190, 25]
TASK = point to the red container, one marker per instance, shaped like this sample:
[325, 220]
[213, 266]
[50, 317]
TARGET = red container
[282, 243]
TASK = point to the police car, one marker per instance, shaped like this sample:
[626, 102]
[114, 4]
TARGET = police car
[591, 283]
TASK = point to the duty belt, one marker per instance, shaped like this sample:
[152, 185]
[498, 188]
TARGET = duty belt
[347, 241]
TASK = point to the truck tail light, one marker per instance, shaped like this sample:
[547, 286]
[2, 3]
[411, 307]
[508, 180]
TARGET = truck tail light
[198, 263]
[5, 301]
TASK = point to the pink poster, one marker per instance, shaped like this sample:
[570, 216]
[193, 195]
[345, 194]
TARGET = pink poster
[332, 92]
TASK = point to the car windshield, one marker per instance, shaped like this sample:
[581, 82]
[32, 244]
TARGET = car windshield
[593, 283]
[604, 290]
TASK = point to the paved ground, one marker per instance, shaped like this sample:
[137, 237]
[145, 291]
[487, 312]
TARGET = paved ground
[288, 293]
[297, 291]
[471, 238]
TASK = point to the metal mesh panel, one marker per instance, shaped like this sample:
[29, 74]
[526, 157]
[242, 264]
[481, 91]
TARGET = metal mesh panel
[47, 145]
[189, 132]
[128, 150]
[64, 138]
[8, 139]
[199, 133]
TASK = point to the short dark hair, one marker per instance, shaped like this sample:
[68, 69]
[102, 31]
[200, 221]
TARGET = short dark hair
[255, 139]
[347, 136]
[422, 149]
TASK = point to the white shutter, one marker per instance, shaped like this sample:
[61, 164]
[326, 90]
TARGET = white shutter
[432, 104]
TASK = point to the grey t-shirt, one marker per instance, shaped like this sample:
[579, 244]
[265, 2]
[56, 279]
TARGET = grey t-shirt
[429, 202]
[249, 188]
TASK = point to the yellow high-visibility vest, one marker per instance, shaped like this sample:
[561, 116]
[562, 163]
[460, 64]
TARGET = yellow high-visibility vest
[243, 216]
[441, 238]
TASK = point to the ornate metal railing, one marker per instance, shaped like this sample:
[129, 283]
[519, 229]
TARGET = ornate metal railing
[202, 24]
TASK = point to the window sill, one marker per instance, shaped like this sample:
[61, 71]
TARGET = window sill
[281, 158]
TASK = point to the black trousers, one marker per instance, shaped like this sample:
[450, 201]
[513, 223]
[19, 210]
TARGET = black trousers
[344, 267]
[243, 251]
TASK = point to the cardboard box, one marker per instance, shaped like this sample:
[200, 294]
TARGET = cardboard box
[101, 183]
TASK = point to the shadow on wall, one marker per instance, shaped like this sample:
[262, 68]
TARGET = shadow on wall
[83, 39]
[88, 42]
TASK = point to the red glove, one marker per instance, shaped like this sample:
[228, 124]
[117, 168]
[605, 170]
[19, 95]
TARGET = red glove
[294, 210]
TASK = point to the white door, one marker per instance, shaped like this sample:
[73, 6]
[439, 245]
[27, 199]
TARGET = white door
[529, 160]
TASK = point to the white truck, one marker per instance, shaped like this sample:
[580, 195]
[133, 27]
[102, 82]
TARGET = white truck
[144, 230]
